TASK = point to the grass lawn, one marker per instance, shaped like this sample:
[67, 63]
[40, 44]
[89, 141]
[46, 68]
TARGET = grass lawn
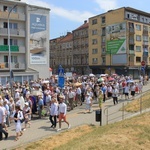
[130, 134]
[142, 102]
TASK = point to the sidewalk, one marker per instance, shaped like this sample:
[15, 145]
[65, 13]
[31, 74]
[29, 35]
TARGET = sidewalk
[41, 128]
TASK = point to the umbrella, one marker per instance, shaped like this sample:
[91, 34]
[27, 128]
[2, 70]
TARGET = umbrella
[130, 81]
[36, 84]
[100, 80]
[36, 93]
[91, 75]
[45, 81]
[77, 84]
[110, 79]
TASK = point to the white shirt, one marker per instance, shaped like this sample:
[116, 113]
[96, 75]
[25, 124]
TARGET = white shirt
[71, 94]
[79, 90]
[88, 99]
[62, 108]
[2, 114]
[48, 98]
[54, 109]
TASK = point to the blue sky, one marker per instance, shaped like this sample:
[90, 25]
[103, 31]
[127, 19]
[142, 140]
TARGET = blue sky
[67, 15]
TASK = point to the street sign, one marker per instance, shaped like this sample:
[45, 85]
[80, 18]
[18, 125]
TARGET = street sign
[143, 63]
[61, 78]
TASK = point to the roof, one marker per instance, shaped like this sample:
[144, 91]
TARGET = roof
[67, 38]
[85, 25]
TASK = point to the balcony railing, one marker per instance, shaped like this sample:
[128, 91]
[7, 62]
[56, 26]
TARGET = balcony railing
[131, 52]
[13, 32]
[14, 66]
[5, 48]
[131, 41]
[14, 16]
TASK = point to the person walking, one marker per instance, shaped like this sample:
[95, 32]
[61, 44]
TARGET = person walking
[17, 117]
[115, 93]
[71, 98]
[40, 105]
[2, 115]
[88, 100]
[27, 115]
[53, 112]
[62, 112]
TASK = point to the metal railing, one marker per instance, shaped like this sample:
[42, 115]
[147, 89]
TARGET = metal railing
[140, 105]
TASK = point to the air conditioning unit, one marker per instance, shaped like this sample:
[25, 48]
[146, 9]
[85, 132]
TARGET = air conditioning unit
[17, 65]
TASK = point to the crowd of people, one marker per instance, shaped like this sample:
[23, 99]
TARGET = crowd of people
[45, 98]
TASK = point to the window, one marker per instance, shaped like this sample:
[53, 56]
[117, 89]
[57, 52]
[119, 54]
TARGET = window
[94, 21]
[131, 47]
[103, 31]
[5, 42]
[94, 51]
[94, 41]
[103, 19]
[138, 37]
[94, 32]
[138, 48]
[145, 38]
[94, 60]
[138, 59]
[138, 27]
[103, 60]
[145, 28]
[5, 25]
[103, 50]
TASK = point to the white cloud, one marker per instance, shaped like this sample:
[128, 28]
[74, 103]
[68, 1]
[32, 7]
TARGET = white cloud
[72, 15]
[107, 4]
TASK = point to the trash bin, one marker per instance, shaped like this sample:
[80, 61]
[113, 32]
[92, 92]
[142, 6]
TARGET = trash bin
[98, 115]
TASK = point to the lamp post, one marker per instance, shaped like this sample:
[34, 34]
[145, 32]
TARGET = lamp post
[8, 31]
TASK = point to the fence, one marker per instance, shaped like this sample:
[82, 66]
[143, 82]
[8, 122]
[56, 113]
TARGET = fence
[127, 108]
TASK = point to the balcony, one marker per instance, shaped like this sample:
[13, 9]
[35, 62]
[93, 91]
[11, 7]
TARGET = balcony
[145, 32]
[13, 48]
[14, 66]
[131, 52]
[131, 41]
[103, 43]
[131, 30]
[145, 43]
[13, 32]
[13, 16]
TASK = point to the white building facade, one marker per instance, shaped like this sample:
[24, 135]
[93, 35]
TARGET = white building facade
[29, 41]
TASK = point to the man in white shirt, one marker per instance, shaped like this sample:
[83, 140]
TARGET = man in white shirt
[62, 112]
[2, 115]
[71, 96]
[48, 102]
[78, 94]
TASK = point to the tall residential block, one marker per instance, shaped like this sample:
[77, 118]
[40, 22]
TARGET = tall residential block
[119, 40]
[29, 41]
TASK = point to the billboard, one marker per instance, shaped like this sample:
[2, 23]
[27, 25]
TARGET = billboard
[116, 38]
[38, 39]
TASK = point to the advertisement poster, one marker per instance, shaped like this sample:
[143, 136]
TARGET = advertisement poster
[38, 39]
[116, 38]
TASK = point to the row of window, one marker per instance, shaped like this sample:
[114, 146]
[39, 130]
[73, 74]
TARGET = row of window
[103, 20]
[103, 59]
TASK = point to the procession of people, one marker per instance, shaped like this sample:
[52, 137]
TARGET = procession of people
[44, 98]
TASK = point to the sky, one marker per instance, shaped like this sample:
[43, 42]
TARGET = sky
[68, 15]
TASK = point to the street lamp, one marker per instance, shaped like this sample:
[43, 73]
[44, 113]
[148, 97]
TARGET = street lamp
[8, 31]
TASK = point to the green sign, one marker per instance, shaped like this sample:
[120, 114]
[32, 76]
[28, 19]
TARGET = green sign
[116, 46]
[13, 48]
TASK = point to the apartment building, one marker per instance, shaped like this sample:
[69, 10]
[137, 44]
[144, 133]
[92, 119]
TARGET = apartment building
[61, 53]
[80, 49]
[28, 26]
[119, 40]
